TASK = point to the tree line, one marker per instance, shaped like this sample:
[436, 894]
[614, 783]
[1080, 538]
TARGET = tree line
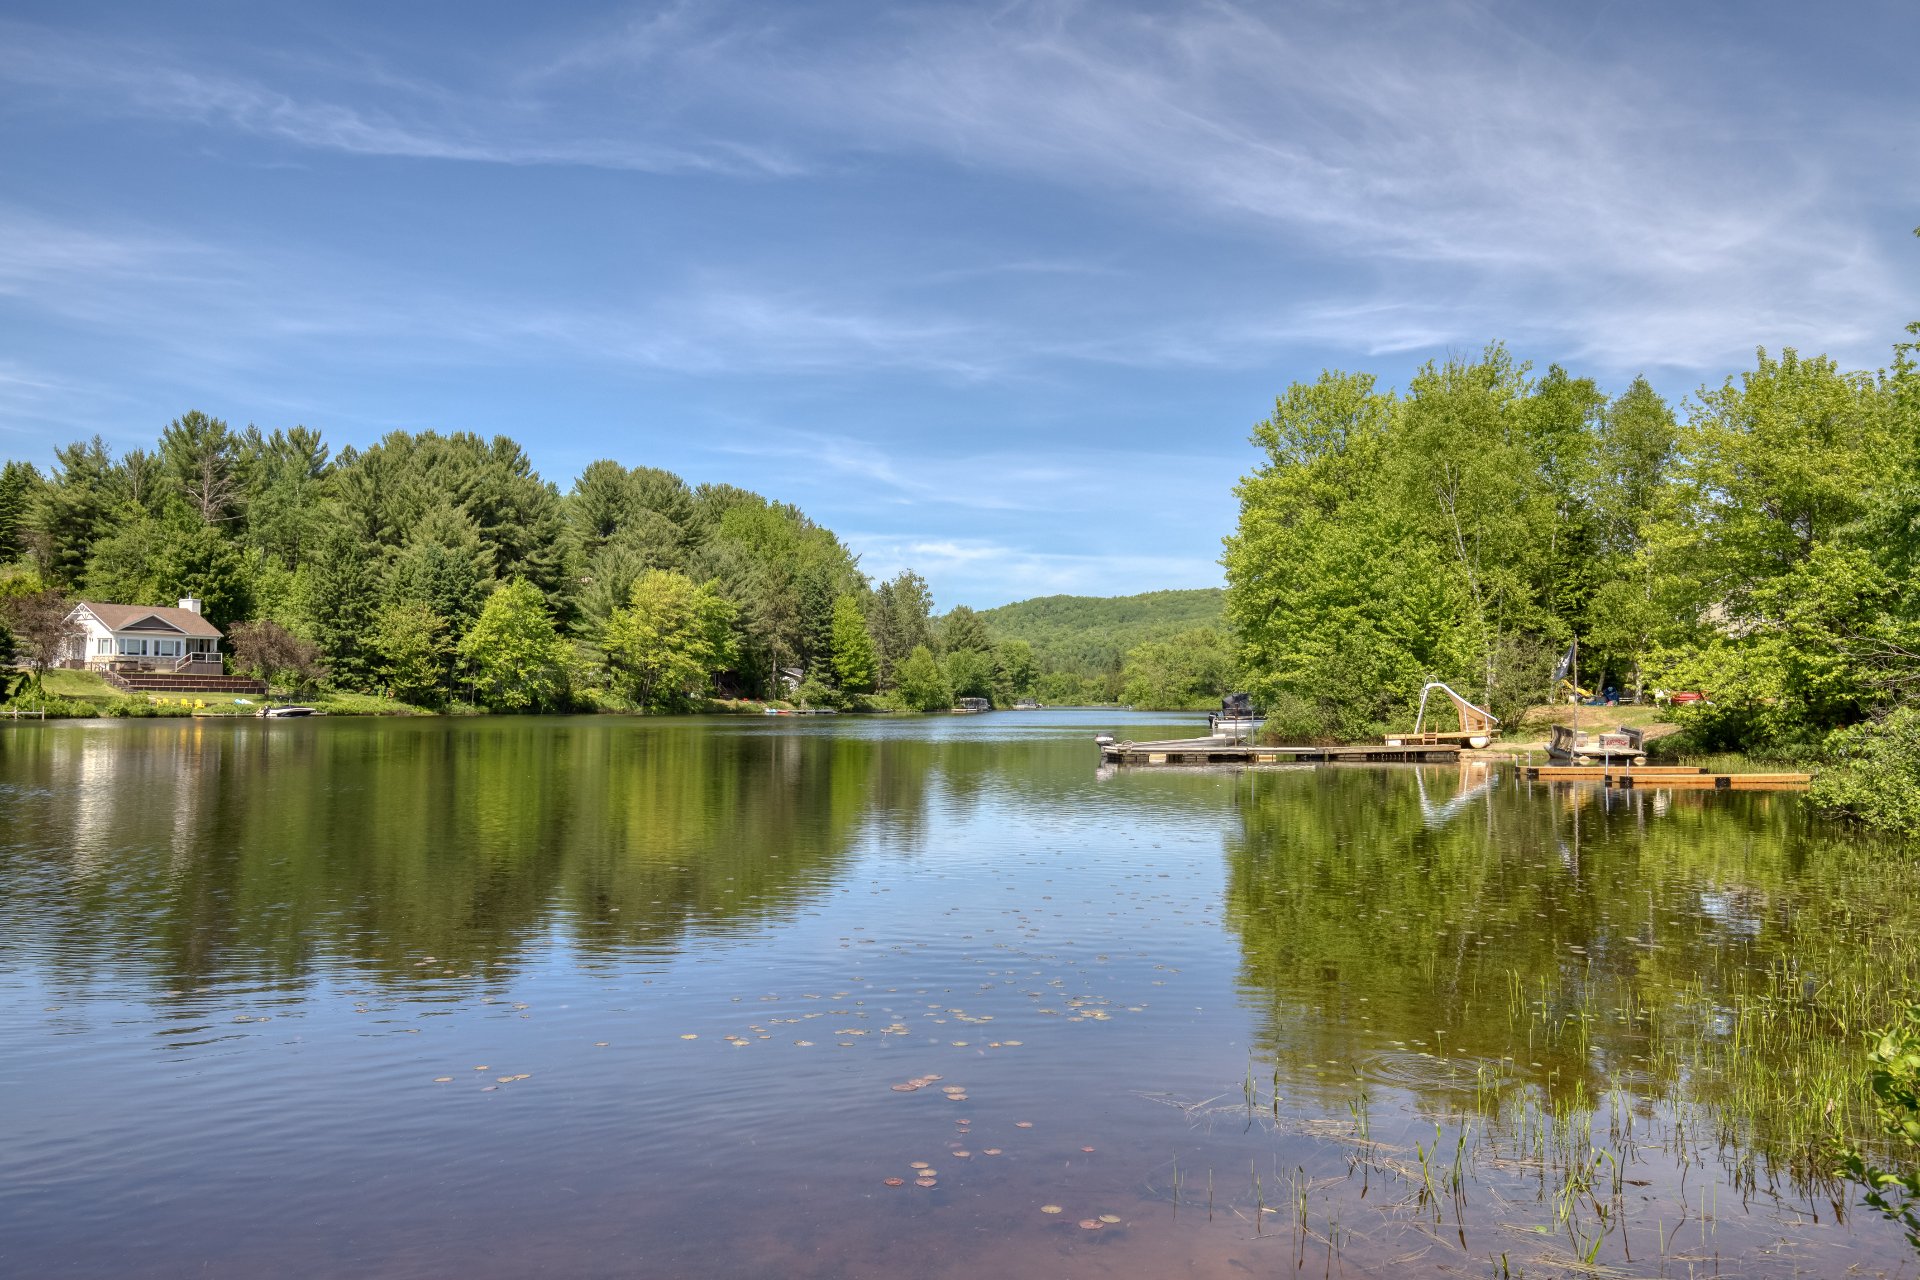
[1758, 545]
[440, 569]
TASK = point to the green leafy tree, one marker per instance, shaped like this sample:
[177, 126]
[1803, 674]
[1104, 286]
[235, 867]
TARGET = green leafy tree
[516, 660]
[962, 631]
[900, 620]
[124, 566]
[664, 647]
[276, 656]
[198, 559]
[970, 673]
[285, 477]
[411, 652]
[921, 683]
[336, 595]
[1014, 669]
[1188, 672]
[444, 565]
[854, 662]
[41, 623]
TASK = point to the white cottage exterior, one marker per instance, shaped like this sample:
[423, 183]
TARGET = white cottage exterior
[142, 637]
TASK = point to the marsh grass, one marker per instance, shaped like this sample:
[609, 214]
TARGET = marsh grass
[1753, 1089]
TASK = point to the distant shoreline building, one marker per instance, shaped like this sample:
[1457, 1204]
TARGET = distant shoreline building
[144, 637]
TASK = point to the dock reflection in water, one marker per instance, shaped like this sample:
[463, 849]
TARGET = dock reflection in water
[614, 996]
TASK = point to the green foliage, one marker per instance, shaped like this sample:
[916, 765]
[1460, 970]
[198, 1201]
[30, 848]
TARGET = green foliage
[969, 673]
[900, 620]
[20, 486]
[814, 691]
[124, 565]
[963, 631]
[1894, 1076]
[854, 661]
[337, 600]
[921, 683]
[1079, 643]
[1348, 586]
[516, 660]
[1014, 669]
[38, 621]
[1873, 774]
[339, 549]
[663, 648]
[199, 560]
[276, 656]
[75, 509]
[198, 458]
[1467, 529]
[412, 652]
[1187, 673]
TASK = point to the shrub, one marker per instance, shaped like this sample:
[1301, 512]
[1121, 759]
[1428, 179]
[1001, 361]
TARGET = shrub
[1873, 775]
[1895, 1079]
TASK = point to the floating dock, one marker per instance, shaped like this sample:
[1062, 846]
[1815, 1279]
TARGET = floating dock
[1225, 751]
[1667, 776]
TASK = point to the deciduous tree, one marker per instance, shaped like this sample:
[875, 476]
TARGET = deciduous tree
[516, 660]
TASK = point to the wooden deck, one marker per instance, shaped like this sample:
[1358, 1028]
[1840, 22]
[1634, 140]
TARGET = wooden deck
[1667, 776]
[1190, 751]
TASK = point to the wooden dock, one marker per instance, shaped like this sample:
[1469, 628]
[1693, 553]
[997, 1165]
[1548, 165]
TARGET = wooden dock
[1190, 751]
[1667, 776]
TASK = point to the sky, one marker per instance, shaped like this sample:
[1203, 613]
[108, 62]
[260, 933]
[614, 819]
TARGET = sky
[994, 291]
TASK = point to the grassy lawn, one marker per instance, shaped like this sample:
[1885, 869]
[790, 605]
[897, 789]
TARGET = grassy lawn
[89, 688]
[80, 684]
[343, 703]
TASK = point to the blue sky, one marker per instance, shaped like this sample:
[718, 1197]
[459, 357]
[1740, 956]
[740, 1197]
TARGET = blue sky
[994, 291]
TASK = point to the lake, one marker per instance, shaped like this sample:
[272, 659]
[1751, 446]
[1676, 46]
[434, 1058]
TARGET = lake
[703, 997]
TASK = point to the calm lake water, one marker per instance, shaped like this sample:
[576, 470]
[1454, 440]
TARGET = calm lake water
[620, 997]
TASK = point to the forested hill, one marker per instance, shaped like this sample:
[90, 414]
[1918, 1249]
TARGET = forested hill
[1089, 635]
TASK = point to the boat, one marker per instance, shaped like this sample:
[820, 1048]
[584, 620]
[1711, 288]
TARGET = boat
[1621, 746]
[1026, 704]
[1478, 726]
[284, 713]
[1236, 717]
[970, 706]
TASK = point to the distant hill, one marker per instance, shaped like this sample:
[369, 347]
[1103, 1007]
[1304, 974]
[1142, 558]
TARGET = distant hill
[1091, 634]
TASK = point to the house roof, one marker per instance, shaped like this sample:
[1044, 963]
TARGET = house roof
[151, 617]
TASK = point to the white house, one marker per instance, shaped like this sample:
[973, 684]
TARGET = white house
[144, 637]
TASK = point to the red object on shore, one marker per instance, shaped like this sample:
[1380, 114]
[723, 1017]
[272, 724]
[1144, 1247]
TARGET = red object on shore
[1686, 697]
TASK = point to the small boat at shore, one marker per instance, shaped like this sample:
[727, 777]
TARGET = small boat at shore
[284, 713]
[1236, 718]
[1621, 746]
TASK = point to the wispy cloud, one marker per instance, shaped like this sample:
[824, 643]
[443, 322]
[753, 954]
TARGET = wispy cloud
[1082, 480]
[357, 112]
[1489, 181]
[1421, 177]
[227, 304]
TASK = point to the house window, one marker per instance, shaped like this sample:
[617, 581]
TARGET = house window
[103, 645]
[131, 647]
